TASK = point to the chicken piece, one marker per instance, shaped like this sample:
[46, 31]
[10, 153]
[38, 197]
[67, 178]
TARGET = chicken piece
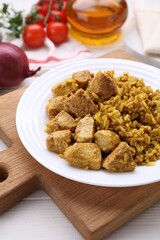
[107, 140]
[85, 130]
[102, 86]
[62, 121]
[65, 88]
[55, 105]
[51, 126]
[80, 104]
[84, 155]
[120, 160]
[58, 141]
[82, 78]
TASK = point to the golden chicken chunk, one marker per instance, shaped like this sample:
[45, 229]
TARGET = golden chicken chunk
[80, 104]
[65, 88]
[55, 105]
[102, 86]
[107, 140]
[62, 121]
[85, 130]
[84, 155]
[120, 159]
[82, 78]
[58, 141]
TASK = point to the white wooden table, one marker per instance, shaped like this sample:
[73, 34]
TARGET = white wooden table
[38, 218]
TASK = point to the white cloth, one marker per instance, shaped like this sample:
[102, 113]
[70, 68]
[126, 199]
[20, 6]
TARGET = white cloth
[147, 13]
[49, 55]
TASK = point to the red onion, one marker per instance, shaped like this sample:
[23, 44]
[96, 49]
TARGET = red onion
[14, 65]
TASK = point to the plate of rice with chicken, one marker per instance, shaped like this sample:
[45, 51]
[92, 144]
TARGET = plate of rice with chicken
[95, 121]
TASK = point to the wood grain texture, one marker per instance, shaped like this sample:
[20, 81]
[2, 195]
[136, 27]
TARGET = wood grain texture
[120, 54]
[94, 211]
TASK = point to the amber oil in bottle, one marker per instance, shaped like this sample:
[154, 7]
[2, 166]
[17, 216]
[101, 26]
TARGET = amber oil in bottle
[96, 22]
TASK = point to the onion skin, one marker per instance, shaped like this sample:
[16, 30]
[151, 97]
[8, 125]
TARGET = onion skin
[14, 65]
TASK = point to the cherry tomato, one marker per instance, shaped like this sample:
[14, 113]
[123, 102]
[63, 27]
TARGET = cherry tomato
[41, 19]
[59, 5]
[34, 35]
[57, 16]
[43, 1]
[38, 6]
[57, 32]
[64, 5]
[42, 8]
[31, 19]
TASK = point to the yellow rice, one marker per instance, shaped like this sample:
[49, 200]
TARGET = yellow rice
[134, 114]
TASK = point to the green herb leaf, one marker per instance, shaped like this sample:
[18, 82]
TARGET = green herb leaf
[5, 8]
[11, 20]
[33, 16]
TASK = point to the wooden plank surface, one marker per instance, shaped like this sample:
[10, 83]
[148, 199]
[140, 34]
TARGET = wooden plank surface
[94, 211]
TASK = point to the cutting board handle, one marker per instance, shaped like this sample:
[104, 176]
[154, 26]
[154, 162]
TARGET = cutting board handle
[17, 176]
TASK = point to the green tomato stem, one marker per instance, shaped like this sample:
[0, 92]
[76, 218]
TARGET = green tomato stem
[49, 11]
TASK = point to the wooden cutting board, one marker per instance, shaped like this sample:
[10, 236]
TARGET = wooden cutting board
[94, 211]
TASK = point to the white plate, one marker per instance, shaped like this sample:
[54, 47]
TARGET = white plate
[31, 119]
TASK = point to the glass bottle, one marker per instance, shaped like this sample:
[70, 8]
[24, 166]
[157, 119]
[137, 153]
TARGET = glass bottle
[96, 21]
